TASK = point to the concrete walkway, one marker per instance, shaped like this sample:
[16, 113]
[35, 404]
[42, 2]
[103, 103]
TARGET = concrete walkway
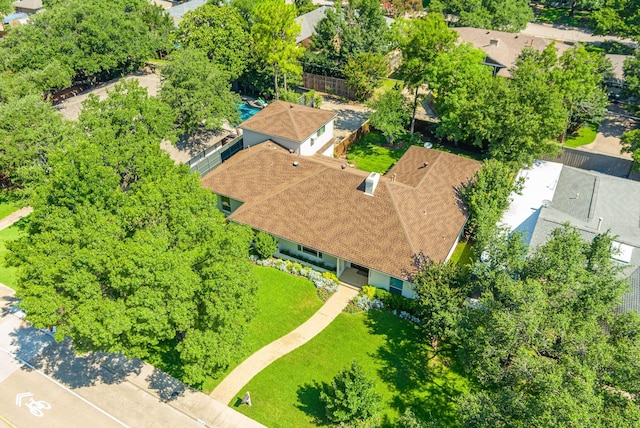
[230, 387]
[14, 217]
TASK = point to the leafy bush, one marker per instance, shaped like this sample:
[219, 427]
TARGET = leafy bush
[396, 302]
[265, 245]
[351, 399]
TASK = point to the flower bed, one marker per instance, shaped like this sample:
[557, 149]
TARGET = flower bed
[326, 283]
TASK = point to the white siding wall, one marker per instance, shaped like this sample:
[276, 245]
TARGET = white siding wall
[234, 205]
[251, 138]
[381, 280]
[292, 247]
[455, 244]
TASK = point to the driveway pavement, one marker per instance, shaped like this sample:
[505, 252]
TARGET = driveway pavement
[44, 384]
[608, 137]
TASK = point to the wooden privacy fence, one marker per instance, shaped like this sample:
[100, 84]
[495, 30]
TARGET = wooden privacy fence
[606, 164]
[342, 147]
[328, 84]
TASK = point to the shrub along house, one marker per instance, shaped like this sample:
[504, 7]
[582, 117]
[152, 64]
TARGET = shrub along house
[364, 227]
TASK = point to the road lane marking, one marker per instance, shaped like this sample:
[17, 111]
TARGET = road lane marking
[113, 418]
[6, 421]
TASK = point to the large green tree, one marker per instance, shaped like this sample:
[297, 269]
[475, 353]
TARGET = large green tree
[390, 113]
[621, 17]
[364, 73]
[126, 252]
[274, 30]
[440, 291]
[546, 345]
[29, 130]
[196, 89]
[421, 41]
[220, 32]
[346, 31]
[631, 88]
[89, 37]
[6, 6]
[502, 15]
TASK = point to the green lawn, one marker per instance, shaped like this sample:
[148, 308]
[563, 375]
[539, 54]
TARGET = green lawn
[560, 16]
[370, 153]
[7, 206]
[585, 135]
[463, 252]
[286, 394]
[284, 302]
[8, 274]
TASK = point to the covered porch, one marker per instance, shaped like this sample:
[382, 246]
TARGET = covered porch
[353, 276]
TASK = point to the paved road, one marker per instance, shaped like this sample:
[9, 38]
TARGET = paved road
[568, 34]
[44, 384]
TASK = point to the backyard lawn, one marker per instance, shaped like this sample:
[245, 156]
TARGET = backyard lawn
[371, 153]
[287, 393]
[8, 274]
[463, 252]
[584, 135]
[7, 206]
[283, 303]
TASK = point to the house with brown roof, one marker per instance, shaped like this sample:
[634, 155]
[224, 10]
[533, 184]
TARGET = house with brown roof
[503, 48]
[364, 227]
[301, 129]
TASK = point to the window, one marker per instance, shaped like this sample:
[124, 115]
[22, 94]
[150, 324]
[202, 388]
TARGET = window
[395, 285]
[310, 251]
[313, 141]
[321, 130]
[225, 202]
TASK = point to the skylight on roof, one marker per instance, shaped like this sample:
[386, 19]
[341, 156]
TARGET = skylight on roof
[621, 252]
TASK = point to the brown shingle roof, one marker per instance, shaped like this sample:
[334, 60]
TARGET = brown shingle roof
[506, 46]
[287, 120]
[322, 206]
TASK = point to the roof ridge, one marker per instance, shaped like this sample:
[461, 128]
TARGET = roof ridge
[294, 122]
[400, 218]
[292, 183]
[435, 162]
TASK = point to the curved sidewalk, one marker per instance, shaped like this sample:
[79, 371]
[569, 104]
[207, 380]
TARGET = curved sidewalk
[14, 217]
[230, 387]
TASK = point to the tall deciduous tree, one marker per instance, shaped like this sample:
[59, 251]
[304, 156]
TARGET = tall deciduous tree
[421, 41]
[125, 251]
[502, 15]
[441, 289]
[631, 144]
[6, 6]
[198, 91]
[365, 72]
[274, 30]
[346, 31]
[631, 88]
[29, 130]
[621, 17]
[220, 32]
[88, 36]
[390, 113]
[543, 345]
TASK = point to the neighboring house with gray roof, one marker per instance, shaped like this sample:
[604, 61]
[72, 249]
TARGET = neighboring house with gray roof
[178, 12]
[364, 227]
[592, 202]
[308, 23]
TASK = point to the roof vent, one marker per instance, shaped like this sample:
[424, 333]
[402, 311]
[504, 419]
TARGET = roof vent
[493, 42]
[295, 163]
[290, 105]
[371, 183]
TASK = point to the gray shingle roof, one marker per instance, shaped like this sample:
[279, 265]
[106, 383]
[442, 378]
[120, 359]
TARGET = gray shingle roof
[178, 12]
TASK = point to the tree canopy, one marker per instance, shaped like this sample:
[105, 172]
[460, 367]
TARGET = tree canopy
[125, 251]
[29, 130]
[274, 31]
[502, 15]
[546, 345]
[220, 32]
[76, 39]
[364, 73]
[621, 17]
[345, 32]
[196, 89]
[390, 113]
